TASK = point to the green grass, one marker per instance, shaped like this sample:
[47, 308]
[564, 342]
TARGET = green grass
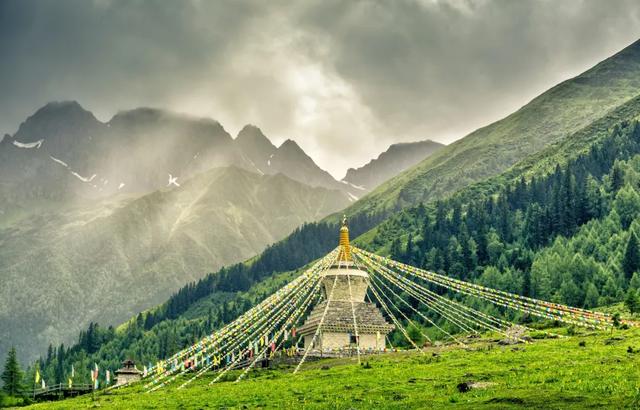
[545, 374]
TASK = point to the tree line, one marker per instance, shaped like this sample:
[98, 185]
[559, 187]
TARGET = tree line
[519, 237]
[568, 236]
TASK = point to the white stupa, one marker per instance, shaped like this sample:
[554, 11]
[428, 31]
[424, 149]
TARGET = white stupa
[349, 321]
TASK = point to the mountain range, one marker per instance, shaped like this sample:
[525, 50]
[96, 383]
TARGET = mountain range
[62, 151]
[552, 129]
[101, 220]
[555, 223]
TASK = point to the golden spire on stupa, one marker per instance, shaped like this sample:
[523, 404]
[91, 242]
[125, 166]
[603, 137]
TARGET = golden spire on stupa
[344, 254]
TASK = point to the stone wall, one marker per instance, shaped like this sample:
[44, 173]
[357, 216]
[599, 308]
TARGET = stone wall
[125, 378]
[335, 341]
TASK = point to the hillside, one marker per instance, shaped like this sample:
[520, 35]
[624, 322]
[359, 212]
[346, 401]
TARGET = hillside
[106, 261]
[548, 118]
[509, 237]
[397, 158]
[554, 373]
[564, 235]
[501, 232]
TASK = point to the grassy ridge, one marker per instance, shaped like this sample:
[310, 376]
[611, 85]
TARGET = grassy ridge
[549, 118]
[549, 374]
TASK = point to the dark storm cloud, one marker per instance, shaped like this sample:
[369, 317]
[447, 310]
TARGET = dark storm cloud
[325, 73]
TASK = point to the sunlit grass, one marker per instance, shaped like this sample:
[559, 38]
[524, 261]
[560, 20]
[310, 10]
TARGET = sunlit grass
[549, 373]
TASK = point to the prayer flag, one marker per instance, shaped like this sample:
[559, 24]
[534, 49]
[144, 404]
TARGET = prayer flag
[70, 383]
[37, 375]
[108, 377]
[73, 372]
[44, 385]
[94, 374]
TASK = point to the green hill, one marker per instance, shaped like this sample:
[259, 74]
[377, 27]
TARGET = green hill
[549, 374]
[577, 185]
[549, 118]
[502, 238]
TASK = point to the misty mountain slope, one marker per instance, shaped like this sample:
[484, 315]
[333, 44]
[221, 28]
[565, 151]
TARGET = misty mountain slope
[106, 262]
[63, 153]
[397, 158]
[548, 118]
[76, 156]
[159, 143]
[58, 130]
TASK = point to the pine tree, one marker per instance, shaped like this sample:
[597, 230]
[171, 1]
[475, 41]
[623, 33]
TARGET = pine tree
[396, 249]
[627, 204]
[632, 301]
[631, 259]
[408, 253]
[592, 296]
[526, 283]
[12, 375]
[617, 177]
[635, 281]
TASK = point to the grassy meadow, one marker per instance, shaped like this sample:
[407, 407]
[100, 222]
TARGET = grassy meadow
[598, 370]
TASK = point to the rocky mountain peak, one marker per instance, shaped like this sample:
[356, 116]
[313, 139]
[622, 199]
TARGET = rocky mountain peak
[58, 115]
[250, 135]
[290, 147]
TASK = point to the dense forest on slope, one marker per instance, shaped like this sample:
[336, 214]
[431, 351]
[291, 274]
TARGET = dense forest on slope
[566, 235]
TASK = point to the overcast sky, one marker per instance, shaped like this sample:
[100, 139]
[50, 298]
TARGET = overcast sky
[344, 79]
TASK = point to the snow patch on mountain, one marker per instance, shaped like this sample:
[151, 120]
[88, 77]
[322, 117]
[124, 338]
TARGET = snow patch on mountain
[81, 178]
[257, 169]
[361, 188]
[28, 145]
[59, 161]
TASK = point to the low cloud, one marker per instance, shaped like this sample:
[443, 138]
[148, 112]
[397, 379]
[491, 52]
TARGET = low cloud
[345, 79]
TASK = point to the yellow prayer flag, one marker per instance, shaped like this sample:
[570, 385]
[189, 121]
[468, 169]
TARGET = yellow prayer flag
[37, 375]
